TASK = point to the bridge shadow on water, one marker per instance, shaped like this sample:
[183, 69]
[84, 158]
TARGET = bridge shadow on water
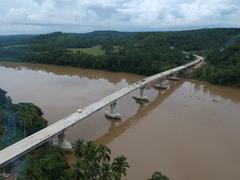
[119, 127]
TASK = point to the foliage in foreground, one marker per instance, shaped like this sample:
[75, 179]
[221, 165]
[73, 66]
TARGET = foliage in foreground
[18, 120]
[46, 163]
[92, 162]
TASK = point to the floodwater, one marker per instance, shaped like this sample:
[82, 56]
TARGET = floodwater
[188, 132]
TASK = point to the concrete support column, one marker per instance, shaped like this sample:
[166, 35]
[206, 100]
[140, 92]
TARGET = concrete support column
[141, 89]
[141, 98]
[162, 84]
[174, 77]
[113, 114]
[61, 141]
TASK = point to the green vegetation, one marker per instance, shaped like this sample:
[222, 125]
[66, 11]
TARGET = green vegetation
[144, 53]
[223, 67]
[92, 162]
[158, 176]
[135, 60]
[29, 117]
[95, 50]
[46, 163]
[18, 120]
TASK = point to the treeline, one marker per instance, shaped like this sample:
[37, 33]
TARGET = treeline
[76, 40]
[137, 61]
[144, 53]
[15, 53]
[223, 67]
[9, 40]
[191, 40]
[18, 120]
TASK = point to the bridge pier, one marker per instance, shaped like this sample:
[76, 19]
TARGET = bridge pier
[61, 141]
[174, 77]
[24, 146]
[163, 84]
[113, 113]
[141, 98]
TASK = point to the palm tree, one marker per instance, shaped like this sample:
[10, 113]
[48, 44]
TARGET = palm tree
[26, 114]
[78, 148]
[79, 170]
[90, 151]
[120, 165]
[106, 172]
[103, 153]
[29, 117]
[158, 176]
[24, 118]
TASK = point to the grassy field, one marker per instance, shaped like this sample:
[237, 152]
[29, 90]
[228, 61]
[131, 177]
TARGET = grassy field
[95, 50]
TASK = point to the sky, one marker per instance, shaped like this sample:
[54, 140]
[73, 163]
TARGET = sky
[43, 16]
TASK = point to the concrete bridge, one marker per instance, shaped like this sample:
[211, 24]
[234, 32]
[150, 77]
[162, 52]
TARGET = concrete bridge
[55, 132]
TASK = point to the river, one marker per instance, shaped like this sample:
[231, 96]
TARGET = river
[188, 132]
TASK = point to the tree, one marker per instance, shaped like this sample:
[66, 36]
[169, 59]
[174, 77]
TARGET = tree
[29, 118]
[158, 176]
[78, 170]
[120, 166]
[223, 67]
[106, 172]
[2, 121]
[23, 117]
[48, 163]
[93, 163]
[103, 153]
[78, 148]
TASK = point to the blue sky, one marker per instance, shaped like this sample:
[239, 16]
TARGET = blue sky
[42, 16]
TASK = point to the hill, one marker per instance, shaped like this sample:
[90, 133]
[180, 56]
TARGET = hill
[192, 40]
[138, 52]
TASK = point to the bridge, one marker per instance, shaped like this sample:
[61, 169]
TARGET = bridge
[55, 132]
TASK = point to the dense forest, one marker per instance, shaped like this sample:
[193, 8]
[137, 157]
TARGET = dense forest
[144, 53]
[18, 120]
[223, 67]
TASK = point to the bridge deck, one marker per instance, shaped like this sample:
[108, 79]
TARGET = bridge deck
[29, 143]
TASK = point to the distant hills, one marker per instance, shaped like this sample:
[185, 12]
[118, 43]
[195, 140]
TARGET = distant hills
[187, 40]
[137, 52]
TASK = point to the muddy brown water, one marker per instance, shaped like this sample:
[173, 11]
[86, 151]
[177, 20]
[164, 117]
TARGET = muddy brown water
[189, 132]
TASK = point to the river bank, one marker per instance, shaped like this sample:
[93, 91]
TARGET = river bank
[184, 131]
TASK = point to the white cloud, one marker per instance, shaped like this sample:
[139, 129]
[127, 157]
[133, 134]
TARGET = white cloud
[82, 15]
